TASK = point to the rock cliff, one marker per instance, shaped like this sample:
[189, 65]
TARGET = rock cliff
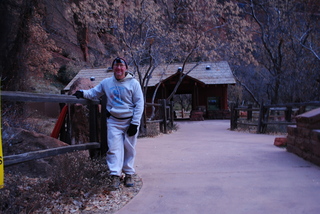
[39, 37]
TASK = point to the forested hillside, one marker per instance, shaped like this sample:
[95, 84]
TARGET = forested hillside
[273, 47]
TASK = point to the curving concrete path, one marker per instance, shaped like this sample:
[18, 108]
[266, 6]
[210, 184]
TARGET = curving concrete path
[205, 168]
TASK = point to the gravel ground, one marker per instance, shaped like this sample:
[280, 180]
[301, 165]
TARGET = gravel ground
[104, 202]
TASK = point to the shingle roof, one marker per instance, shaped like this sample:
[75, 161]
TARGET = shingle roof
[219, 73]
[99, 74]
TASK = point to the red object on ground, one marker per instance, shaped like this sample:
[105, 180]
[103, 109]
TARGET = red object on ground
[280, 141]
[57, 127]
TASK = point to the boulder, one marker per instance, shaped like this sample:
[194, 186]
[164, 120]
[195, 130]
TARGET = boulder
[280, 141]
[19, 141]
[79, 114]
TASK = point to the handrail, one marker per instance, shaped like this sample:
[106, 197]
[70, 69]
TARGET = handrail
[18, 96]
[28, 156]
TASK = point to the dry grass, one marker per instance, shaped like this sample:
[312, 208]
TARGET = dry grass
[78, 185]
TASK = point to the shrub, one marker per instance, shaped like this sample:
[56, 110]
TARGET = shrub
[67, 72]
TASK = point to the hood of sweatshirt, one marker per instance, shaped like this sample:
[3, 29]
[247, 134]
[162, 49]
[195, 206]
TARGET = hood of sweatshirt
[128, 76]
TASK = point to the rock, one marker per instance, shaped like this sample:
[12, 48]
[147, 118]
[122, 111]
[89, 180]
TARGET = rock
[80, 83]
[280, 141]
[79, 114]
[19, 141]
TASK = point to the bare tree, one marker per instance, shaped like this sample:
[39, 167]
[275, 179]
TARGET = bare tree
[309, 36]
[153, 33]
[289, 70]
[158, 33]
[209, 31]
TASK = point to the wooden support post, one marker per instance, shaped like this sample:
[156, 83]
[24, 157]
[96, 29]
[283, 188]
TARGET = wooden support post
[260, 121]
[63, 133]
[93, 136]
[288, 114]
[263, 119]
[68, 127]
[93, 122]
[165, 115]
[161, 116]
[249, 112]
[171, 114]
[234, 116]
[266, 112]
[103, 126]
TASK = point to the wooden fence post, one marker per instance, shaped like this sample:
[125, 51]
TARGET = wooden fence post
[68, 127]
[249, 112]
[160, 115]
[234, 116]
[93, 109]
[165, 115]
[288, 113]
[260, 121]
[103, 126]
[231, 119]
[63, 133]
[266, 111]
[171, 114]
[263, 119]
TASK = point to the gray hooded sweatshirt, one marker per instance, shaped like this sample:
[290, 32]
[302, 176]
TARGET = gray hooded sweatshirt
[124, 97]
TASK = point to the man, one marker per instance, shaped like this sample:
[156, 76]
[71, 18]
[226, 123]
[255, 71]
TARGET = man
[125, 105]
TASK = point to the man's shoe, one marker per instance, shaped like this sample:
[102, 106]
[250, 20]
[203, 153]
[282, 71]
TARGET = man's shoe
[115, 182]
[128, 181]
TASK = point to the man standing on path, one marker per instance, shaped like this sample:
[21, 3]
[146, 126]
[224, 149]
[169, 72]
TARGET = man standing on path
[125, 105]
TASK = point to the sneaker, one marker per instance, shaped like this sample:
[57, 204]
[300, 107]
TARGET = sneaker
[115, 182]
[128, 181]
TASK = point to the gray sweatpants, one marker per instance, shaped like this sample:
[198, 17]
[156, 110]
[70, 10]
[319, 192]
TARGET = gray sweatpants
[121, 153]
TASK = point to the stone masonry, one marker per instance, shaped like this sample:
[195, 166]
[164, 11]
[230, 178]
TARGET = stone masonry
[303, 139]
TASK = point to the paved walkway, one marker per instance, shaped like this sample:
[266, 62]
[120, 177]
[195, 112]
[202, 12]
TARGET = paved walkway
[205, 168]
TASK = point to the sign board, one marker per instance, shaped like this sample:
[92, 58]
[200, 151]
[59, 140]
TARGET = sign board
[213, 103]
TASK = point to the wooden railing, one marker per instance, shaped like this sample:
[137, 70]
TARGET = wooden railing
[92, 146]
[95, 148]
[166, 114]
[261, 117]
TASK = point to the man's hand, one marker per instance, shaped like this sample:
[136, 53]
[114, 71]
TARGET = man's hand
[78, 94]
[132, 130]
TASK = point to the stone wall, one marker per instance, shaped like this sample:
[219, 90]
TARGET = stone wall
[304, 138]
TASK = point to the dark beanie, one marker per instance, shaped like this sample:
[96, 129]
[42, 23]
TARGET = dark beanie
[119, 60]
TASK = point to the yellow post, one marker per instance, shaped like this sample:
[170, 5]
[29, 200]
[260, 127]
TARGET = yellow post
[1, 155]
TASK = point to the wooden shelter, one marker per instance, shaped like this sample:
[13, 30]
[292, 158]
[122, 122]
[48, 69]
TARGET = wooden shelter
[207, 83]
